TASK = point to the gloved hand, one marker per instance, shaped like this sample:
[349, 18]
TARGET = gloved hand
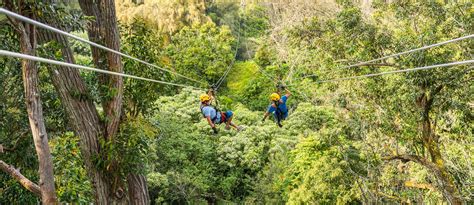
[215, 130]
[279, 124]
[263, 120]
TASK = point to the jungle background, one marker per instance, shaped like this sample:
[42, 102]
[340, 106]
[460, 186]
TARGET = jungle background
[402, 138]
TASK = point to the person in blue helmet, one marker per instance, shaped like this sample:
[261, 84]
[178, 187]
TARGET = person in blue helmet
[214, 116]
[278, 107]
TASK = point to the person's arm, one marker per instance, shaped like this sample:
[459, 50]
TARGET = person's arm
[288, 93]
[210, 122]
[211, 94]
[213, 126]
[265, 116]
[269, 110]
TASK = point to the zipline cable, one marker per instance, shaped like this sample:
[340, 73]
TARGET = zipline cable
[411, 51]
[398, 71]
[388, 72]
[221, 80]
[401, 53]
[49, 61]
[50, 28]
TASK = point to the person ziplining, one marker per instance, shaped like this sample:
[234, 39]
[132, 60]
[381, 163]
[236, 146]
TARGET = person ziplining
[214, 116]
[277, 106]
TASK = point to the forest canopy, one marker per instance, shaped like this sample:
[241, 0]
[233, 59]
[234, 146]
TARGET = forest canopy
[74, 136]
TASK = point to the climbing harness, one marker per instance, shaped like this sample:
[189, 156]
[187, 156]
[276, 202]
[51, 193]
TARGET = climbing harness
[279, 113]
[213, 95]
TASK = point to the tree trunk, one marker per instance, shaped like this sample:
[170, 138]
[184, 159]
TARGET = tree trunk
[137, 189]
[82, 114]
[104, 30]
[431, 143]
[35, 114]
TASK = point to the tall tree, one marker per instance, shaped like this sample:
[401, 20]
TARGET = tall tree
[27, 36]
[104, 30]
[94, 133]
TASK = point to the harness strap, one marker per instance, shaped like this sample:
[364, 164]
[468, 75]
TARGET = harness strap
[223, 117]
[279, 113]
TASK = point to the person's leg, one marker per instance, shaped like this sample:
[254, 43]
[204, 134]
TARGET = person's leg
[230, 116]
[279, 118]
[231, 123]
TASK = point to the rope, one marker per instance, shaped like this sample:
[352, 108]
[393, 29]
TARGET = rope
[221, 80]
[410, 51]
[49, 61]
[399, 71]
[50, 28]
[274, 80]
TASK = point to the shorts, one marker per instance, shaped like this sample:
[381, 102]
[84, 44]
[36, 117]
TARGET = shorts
[229, 114]
[226, 115]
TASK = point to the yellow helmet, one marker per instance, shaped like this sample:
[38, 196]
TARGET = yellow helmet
[275, 97]
[204, 97]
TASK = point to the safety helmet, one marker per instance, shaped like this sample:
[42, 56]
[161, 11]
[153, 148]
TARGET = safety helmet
[204, 97]
[275, 97]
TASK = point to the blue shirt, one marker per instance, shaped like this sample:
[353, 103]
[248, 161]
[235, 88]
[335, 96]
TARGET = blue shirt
[281, 106]
[209, 111]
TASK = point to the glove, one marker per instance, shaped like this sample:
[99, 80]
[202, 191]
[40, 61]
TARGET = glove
[215, 130]
[279, 124]
[263, 120]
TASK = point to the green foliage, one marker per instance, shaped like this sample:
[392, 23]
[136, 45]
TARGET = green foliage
[139, 95]
[331, 149]
[72, 183]
[384, 111]
[201, 51]
[168, 16]
[129, 151]
[194, 165]
[134, 145]
[320, 172]
[247, 85]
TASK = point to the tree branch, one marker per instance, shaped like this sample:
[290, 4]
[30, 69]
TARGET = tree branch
[414, 184]
[25, 182]
[417, 159]
[406, 158]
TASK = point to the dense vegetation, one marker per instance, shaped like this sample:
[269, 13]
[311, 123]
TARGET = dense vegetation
[401, 138]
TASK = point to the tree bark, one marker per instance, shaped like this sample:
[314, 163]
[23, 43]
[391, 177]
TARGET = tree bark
[104, 30]
[431, 143]
[81, 112]
[137, 189]
[27, 34]
[25, 182]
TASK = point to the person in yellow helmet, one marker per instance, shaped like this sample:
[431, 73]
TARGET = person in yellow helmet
[278, 107]
[214, 116]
